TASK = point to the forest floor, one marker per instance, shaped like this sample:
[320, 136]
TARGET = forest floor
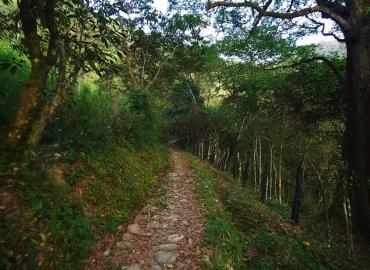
[164, 235]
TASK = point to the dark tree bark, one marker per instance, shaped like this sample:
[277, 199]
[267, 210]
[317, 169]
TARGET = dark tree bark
[356, 148]
[245, 174]
[30, 98]
[296, 204]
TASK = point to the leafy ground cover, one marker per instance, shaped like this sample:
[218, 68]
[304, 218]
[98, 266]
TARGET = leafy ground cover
[64, 202]
[247, 234]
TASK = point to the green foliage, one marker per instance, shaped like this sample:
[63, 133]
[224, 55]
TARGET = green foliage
[115, 168]
[61, 218]
[14, 71]
[281, 251]
[61, 233]
[91, 116]
[220, 236]
[260, 237]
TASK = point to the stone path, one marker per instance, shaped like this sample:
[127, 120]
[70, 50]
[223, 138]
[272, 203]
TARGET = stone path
[166, 238]
[169, 239]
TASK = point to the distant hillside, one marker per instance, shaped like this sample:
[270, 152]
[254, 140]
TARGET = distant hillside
[331, 47]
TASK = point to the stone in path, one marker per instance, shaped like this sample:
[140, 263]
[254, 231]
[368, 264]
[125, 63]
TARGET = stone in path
[132, 267]
[174, 238]
[168, 239]
[166, 247]
[165, 257]
[134, 228]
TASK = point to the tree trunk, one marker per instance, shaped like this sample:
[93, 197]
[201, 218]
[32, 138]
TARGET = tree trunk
[49, 107]
[30, 98]
[296, 205]
[29, 103]
[280, 181]
[356, 149]
[244, 178]
[263, 186]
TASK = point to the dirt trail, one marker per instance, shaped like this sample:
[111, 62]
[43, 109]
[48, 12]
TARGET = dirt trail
[166, 238]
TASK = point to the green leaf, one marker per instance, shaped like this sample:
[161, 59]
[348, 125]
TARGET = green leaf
[13, 69]
[7, 2]
[4, 66]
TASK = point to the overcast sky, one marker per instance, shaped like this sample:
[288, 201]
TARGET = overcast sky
[162, 5]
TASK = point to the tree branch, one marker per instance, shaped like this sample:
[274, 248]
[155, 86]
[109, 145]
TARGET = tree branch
[329, 63]
[322, 25]
[28, 17]
[53, 32]
[288, 15]
[258, 18]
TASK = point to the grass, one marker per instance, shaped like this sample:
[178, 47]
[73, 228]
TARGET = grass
[61, 219]
[247, 234]
[221, 239]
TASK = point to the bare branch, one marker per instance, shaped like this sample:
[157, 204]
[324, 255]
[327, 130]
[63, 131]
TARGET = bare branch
[288, 15]
[322, 25]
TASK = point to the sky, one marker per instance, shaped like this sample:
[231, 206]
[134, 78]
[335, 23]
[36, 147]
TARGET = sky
[162, 6]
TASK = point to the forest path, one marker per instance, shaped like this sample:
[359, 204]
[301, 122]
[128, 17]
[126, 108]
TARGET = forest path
[164, 235]
[168, 238]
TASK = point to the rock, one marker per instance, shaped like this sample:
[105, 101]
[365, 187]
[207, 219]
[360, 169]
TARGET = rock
[172, 217]
[165, 257]
[138, 219]
[180, 266]
[154, 224]
[107, 252]
[134, 228]
[166, 247]
[132, 267]
[127, 236]
[174, 238]
[125, 245]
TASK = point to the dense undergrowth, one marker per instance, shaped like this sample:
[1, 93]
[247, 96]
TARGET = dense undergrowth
[98, 161]
[75, 201]
[247, 234]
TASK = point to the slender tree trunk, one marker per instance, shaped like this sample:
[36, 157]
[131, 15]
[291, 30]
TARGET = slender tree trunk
[244, 178]
[209, 149]
[263, 186]
[260, 159]
[280, 184]
[270, 174]
[226, 159]
[357, 136]
[255, 165]
[296, 205]
[275, 182]
[239, 166]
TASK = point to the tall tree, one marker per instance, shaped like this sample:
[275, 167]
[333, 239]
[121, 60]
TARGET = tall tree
[353, 19]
